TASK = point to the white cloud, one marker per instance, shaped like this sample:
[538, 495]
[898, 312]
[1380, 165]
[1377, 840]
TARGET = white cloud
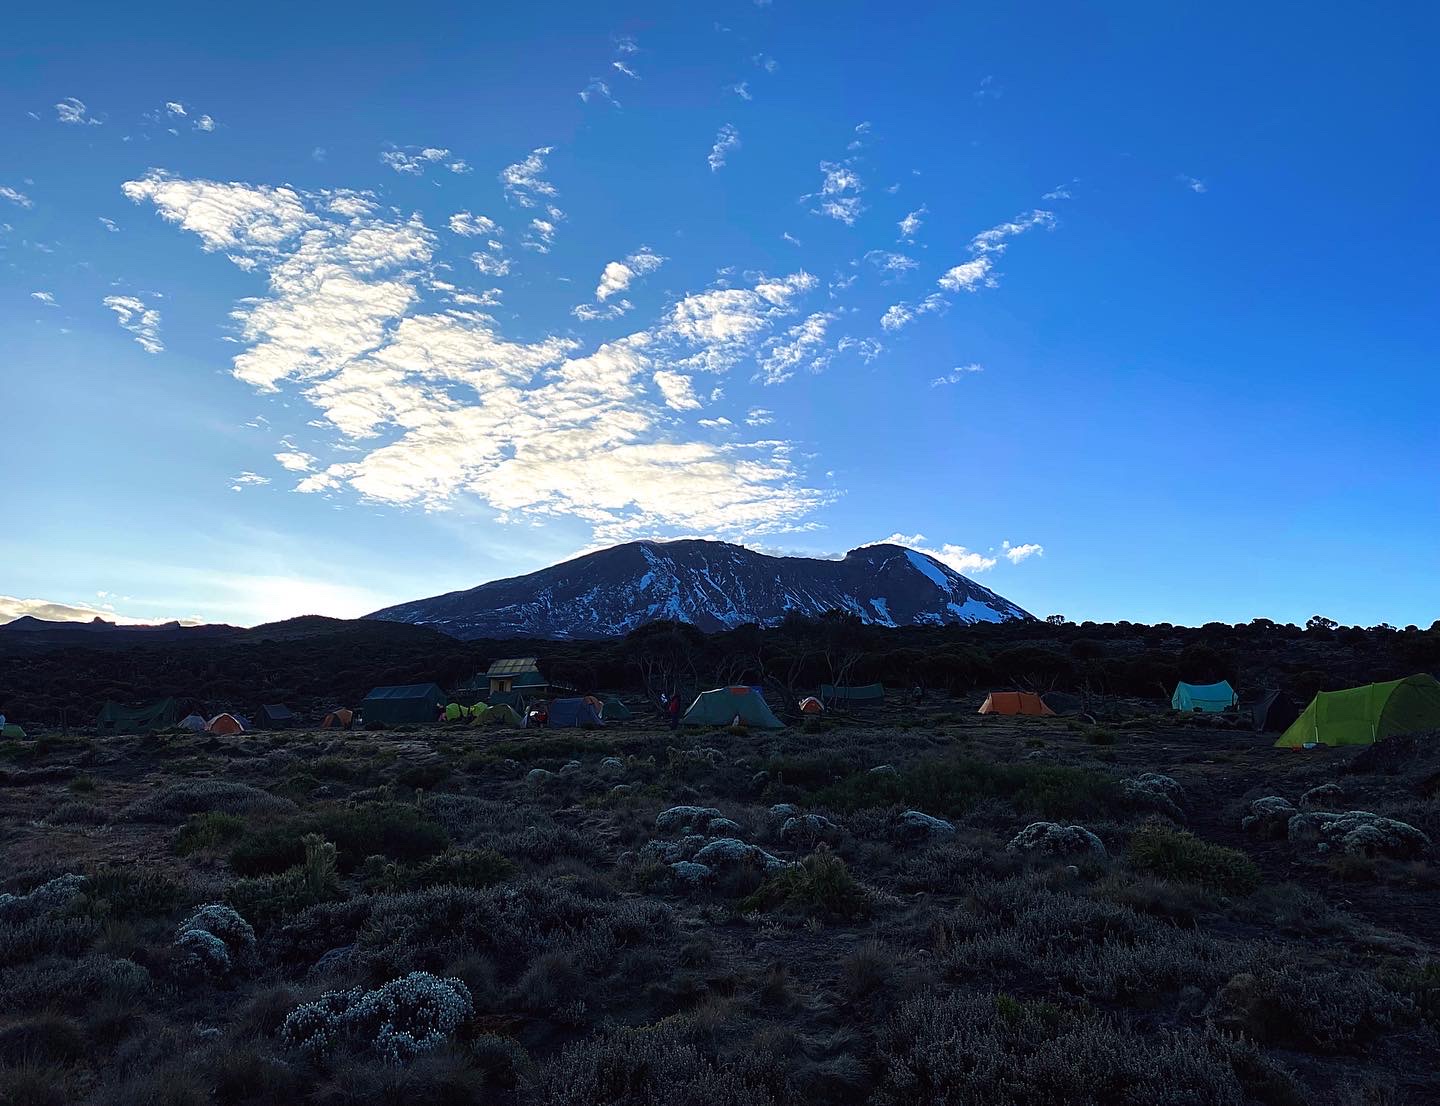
[988, 90]
[765, 62]
[109, 224]
[174, 108]
[15, 196]
[523, 182]
[47, 298]
[890, 262]
[741, 89]
[867, 349]
[141, 321]
[598, 89]
[903, 314]
[910, 225]
[540, 236]
[986, 246]
[296, 461]
[618, 275]
[1017, 553]
[588, 312]
[726, 142]
[624, 70]
[802, 346]
[248, 480]
[962, 560]
[1192, 183]
[759, 416]
[954, 376]
[414, 160]
[839, 195]
[464, 223]
[678, 390]
[205, 123]
[862, 131]
[1059, 192]
[431, 407]
[786, 236]
[12, 608]
[73, 111]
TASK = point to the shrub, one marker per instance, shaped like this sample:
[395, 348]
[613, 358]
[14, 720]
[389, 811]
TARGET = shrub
[198, 797]
[214, 941]
[819, 884]
[954, 787]
[76, 813]
[1175, 854]
[206, 831]
[315, 880]
[66, 984]
[49, 1038]
[422, 775]
[1324, 1011]
[395, 830]
[464, 868]
[397, 1022]
[131, 891]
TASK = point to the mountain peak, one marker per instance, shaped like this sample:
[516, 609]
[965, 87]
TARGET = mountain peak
[711, 585]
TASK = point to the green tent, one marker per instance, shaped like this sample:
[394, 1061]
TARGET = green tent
[515, 700]
[615, 711]
[723, 705]
[12, 730]
[502, 714]
[1210, 698]
[1363, 715]
[115, 719]
[454, 712]
[407, 703]
[869, 693]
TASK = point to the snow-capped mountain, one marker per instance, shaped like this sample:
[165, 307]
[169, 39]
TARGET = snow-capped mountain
[711, 585]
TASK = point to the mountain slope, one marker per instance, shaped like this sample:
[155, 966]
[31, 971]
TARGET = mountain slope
[712, 586]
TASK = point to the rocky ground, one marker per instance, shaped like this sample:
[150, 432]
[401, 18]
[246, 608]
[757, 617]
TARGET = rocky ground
[921, 905]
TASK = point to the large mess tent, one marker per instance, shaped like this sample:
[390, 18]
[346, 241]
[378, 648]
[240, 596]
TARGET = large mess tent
[1207, 698]
[115, 719]
[1014, 702]
[1364, 715]
[404, 703]
[723, 705]
[868, 693]
[277, 716]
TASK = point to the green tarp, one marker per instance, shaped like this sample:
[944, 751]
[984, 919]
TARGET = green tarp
[1363, 715]
[512, 699]
[12, 731]
[723, 705]
[157, 716]
[1204, 697]
[615, 711]
[572, 712]
[407, 703]
[869, 693]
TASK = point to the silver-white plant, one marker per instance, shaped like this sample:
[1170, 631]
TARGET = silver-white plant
[398, 1021]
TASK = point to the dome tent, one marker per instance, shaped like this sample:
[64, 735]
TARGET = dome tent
[811, 705]
[723, 705]
[1364, 715]
[1014, 702]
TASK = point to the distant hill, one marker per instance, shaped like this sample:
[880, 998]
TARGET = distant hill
[711, 586]
[32, 634]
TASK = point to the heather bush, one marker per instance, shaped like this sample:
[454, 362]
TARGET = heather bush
[62, 983]
[316, 879]
[179, 801]
[820, 884]
[76, 813]
[395, 830]
[208, 831]
[1175, 854]
[214, 941]
[397, 1022]
[1306, 1007]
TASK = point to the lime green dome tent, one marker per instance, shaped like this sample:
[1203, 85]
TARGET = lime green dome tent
[1204, 697]
[501, 714]
[1364, 715]
[723, 705]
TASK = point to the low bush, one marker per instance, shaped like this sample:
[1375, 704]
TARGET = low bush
[1175, 854]
[422, 776]
[1303, 1007]
[819, 884]
[398, 831]
[396, 1022]
[208, 831]
[179, 801]
[315, 880]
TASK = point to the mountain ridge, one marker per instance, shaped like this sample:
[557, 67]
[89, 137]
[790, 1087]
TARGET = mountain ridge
[710, 585]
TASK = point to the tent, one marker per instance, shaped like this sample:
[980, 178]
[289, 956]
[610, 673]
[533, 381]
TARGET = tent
[160, 715]
[574, 712]
[616, 711]
[224, 724]
[12, 730]
[404, 703]
[454, 712]
[722, 705]
[499, 715]
[1014, 702]
[1275, 711]
[811, 705]
[193, 722]
[870, 693]
[1209, 698]
[515, 700]
[1363, 715]
[338, 720]
[277, 716]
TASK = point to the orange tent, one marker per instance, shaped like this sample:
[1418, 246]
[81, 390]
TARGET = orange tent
[337, 719]
[811, 705]
[224, 723]
[1014, 702]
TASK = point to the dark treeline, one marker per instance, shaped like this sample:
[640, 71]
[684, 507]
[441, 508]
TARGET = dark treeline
[337, 665]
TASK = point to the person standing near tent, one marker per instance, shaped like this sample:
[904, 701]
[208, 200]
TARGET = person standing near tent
[672, 708]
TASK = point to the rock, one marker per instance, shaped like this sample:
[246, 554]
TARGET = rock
[809, 830]
[1053, 839]
[687, 871]
[570, 768]
[723, 827]
[784, 810]
[685, 819]
[1326, 795]
[730, 852]
[612, 766]
[341, 957]
[538, 777]
[1358, 833]
[884, 770]
[1268, 817]
[913, 826]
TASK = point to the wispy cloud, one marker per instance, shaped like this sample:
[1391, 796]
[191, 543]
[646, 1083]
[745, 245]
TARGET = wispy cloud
[867, 349]
[955, 376]
[759, 416]
[109, 224]
[15, 196]
[206, 123]
[296, 461]
[598, 89]
[1192, 183]
[765, 62]
[1017, 553]
[414, 160]
[741, 89]
[139, 319]
[47, 298]
[839, 195]
[978, 272]
[901, 315]
[524, 184]
[464, 223]
[618, 275]
[1059, 192]
[73, 111]
[910, 225]
[802, 346]
[726, 142]
[887, 261]
[248, 480]
[988, 89]
[678, 390]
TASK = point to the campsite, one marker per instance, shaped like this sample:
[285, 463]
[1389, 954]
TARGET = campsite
[970, 856]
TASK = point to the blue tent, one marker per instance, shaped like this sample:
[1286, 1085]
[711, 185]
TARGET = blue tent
[573, 712]
[1211, 698]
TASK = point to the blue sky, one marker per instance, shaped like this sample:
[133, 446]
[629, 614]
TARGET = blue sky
[1126, 310]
